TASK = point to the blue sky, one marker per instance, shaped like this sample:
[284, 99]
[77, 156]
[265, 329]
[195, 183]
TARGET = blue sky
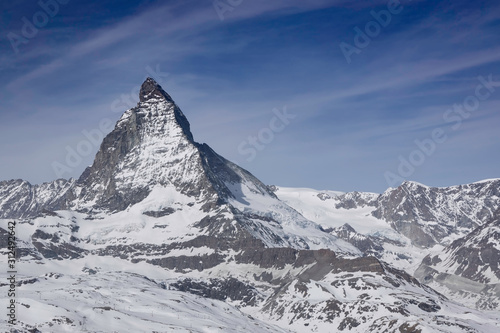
[353, 123]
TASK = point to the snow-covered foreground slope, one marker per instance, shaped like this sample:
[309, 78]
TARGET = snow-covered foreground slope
[369, 302]
[130, 271]
[96, 294]
[95, 301]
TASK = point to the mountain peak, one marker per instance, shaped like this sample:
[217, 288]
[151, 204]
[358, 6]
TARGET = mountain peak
[150, 89]
[411, 183]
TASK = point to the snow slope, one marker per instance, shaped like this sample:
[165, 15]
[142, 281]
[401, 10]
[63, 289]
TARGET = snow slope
[121, 302]
[322, 208]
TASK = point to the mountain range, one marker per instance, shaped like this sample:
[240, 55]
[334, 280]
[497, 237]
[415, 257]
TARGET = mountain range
[163, 234]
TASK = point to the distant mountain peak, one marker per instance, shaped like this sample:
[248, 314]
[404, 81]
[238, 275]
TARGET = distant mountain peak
[412, 183]
[150, 89]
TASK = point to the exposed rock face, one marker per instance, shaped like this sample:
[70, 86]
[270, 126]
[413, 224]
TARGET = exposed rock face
[51, 246]
[20, 199]
[469, 267]
[160, 213]
[4, 239]
[475, 256]
[356, 199]
[220, 289]
[366, 244]
[427, 215]
[352, 308]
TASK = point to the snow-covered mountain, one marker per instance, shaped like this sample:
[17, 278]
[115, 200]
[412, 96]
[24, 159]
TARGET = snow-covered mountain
[151, 153]
[20, 199]
[449, 234]
[350, 216]
[431, 215]
[475, 256]
[100, 301]
[426, 216]
[468, 269]
[161, 229]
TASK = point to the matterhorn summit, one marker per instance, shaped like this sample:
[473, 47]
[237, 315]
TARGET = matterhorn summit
[150, 145]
